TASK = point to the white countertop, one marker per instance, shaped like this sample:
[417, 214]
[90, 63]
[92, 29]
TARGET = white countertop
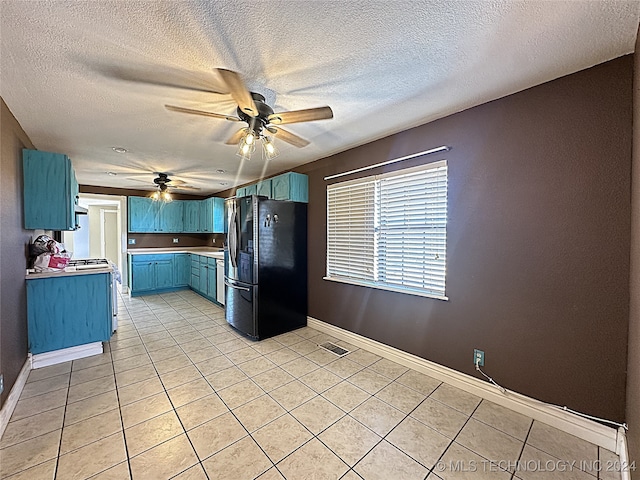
[67, 272]
[212, 252]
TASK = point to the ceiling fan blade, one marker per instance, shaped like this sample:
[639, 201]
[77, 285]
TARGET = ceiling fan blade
[183, 187]
[289, 137]
[239, 91]
[235, 138]
[201, 112]
[297, 116]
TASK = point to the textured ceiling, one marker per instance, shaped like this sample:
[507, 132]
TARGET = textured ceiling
[82, 77]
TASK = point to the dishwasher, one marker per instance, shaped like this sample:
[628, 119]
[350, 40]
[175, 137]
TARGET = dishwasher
[220, 293]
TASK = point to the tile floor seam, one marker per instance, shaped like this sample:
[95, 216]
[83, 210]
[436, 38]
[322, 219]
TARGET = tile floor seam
[524, 444]
[124, 438]
[64, 416]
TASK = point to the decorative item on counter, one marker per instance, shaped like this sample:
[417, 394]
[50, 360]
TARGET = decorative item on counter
[48, 255]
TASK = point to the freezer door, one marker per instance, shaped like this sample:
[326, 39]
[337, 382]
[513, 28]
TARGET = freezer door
[240, 239]
[240, 306]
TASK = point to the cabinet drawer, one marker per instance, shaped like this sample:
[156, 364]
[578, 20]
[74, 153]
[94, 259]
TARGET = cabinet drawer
[151, 258]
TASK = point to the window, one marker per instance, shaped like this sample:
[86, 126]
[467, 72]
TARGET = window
[389, 231]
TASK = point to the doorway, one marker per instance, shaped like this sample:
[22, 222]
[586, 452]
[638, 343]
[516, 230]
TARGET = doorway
[102, 232]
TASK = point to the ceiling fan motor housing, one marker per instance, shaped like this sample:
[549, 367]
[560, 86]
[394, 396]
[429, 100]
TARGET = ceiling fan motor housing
[264, 111]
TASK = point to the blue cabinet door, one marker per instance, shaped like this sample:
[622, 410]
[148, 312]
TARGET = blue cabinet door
[241, 192]
[49, 190]
[195, 282]
[192, 216]
[206, 215]
[142, 214]
[163, 274]
[290, 186]
[203, 277]
[142, 276]
[171, 216]
[182, 269]
[264, 188]
[250, 190]
[218, 215]
[211, 278]
[68, 311]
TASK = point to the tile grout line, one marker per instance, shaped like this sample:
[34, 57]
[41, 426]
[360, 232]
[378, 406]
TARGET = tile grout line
[524, 444]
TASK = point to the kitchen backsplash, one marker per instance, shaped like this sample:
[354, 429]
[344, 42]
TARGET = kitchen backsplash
[165, 240]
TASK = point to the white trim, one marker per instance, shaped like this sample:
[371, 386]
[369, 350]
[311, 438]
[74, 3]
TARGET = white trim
[65, 355]
[588, 430]
[621, 450]
[443, 148]
[14, 395]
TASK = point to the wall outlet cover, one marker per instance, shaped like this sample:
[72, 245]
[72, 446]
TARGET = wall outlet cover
[175, 240]
[478, 357]
[132, 241]
[1, 383]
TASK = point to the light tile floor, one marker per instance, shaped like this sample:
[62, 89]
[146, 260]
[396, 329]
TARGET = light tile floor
[179, 394]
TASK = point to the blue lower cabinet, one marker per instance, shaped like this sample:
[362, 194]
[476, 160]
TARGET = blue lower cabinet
[182, 269]
[68, 311]
[155, 273]
[158, 273]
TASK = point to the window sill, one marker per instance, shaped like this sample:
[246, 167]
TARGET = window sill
[387, 288]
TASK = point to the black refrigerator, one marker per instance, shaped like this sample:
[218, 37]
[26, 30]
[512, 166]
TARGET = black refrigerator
[265, 265]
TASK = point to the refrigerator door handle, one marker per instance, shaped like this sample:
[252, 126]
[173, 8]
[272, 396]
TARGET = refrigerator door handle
[233, 237]
[237, 287]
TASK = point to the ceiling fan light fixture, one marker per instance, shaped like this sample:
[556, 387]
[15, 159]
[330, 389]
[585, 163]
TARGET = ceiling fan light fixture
[269, 149]
[246, 149]
[166, 196]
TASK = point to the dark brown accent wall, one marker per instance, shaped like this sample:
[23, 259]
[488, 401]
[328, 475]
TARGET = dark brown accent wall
[538, 240]
[633, 360]
[160, 240]
[14, 241]
[165, 240]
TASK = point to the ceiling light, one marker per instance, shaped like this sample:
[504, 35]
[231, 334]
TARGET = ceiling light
[112, 174]
[220, 171]
[224, 183]
[119, 149]
[269, 149]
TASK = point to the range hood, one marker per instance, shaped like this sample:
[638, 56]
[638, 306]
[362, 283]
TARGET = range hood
[80, 210]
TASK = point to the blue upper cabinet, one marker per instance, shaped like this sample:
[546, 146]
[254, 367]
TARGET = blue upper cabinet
[206, 216]
[218, 214]
[142, 214]
[192, 216]
[170, 217]
[50, 191]
[264, 188]
[290, 186]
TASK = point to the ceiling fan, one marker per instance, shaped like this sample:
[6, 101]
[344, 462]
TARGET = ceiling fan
[162, 182]
[259, 117]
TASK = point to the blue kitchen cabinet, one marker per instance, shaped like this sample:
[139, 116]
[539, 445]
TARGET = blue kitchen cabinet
[195, 272]
[142, 214]
[153, 273]
[212, 215]
[50, 191]
[241, 192]
[290, 186]
[264, 188]
[206, 215]
[68, 311]
[182, 269]
[251, 190]
[170, 217]
[142, 276]
[204, 267]
[192, 216]
[211, 278]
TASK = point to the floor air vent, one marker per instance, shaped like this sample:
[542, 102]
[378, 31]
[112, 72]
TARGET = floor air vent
[334, 348]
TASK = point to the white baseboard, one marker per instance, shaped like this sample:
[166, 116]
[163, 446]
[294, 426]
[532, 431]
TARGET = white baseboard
[12, 399]
[580, 427]
[65, 355]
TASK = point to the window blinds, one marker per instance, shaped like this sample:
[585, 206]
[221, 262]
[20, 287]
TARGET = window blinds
[389, 231]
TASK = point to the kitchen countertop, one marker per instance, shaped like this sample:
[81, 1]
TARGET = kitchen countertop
[212, 252]
[67, 272]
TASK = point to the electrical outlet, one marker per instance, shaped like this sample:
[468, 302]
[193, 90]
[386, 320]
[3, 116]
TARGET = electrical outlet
[1, 383]
[478, 357]
[175, 240]
[132, 241]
